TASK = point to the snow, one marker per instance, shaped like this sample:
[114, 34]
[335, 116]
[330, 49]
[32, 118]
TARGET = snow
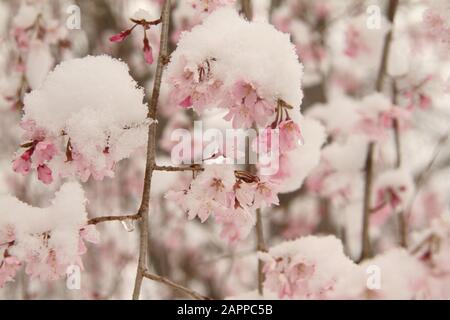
[251, 51]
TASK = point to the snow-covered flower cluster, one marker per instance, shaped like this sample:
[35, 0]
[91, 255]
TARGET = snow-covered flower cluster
[46, 241]
[237, 70]
[348, 196]
[307, 268]
[87, 115]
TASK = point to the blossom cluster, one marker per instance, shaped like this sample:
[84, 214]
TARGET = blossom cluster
[46, 241]
[231, 197]
[86, 129]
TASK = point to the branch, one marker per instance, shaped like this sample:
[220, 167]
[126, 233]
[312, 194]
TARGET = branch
[402, 219]
[247, 9]
[366, 246]
[167, 282]
[151, 151]
[393, 5]
[98, 220]
[177, 169]
[261, 246]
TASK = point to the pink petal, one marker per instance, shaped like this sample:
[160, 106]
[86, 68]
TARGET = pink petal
[148, 52]
[45, 174]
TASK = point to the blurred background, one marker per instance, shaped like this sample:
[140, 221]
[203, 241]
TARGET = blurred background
[341, 54]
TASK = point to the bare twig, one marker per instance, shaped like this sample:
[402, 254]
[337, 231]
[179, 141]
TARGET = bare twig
[98, 220]
[167, 282]
[366, 246]
[261, 246]
[151, 150]
[177, 169]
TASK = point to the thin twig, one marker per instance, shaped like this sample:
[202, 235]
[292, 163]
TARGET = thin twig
[151, 151]
[261, 246]
[392, 9]
[98, 220]
[366, 246]
[402, 219]
[177, 169]
[187, 291]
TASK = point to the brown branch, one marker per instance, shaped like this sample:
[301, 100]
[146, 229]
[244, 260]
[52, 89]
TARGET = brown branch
[247, 9]
[261, 246]
[177, 169]
[151, 151]
[402, 219]
[167, 282]
[392, 9]
[366, 245]
[98, 220]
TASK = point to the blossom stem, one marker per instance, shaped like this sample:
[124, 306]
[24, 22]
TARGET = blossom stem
[98, 220]
[151, 152]
[180, 288]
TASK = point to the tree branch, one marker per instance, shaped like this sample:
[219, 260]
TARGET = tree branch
[180, 288]
[261, 246]
[366, 246]
[177, 169]
[151, 151]
[392, 10]
[247, 9]
[98, 220]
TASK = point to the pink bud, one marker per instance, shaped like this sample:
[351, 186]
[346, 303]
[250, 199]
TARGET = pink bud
[45, 174]
[148, 52]
[120, 36]
[187, 102]
[23, 163]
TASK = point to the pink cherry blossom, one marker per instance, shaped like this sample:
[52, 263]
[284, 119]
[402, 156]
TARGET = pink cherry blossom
[290, 136]
[22, 164]
[246, 106]
[287, 277]
[196, 86]
[45, 174]
[245, 193]
[266, 193]
[44, 151]
[120, 36]
[8, 268]
[236, 224]
[148, 53]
